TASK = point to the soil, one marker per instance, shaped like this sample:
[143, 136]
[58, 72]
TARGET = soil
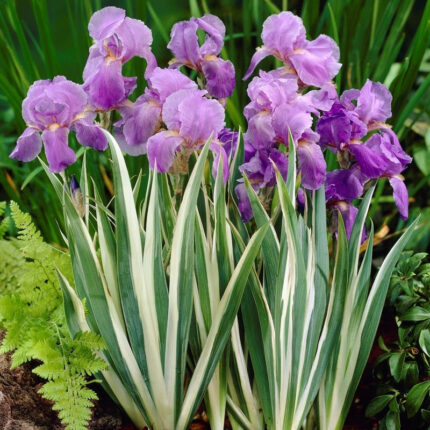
[22, 408]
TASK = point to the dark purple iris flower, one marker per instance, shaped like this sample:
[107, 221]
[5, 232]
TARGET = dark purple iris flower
[355, 128]
[218, 73]
[117, 39]
[284, 36]
[53, 108]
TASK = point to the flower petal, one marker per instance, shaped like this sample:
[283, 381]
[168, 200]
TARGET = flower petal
[311, 163]
[91, 135]
[400, 194]
[243, 202]
[215, 30]
[219, 75]
[283, 33]
[184, 43]
[317, 63]
[162, 148]
[57, 150]
[374, 102]
[104, 22]
[344, 184]
[28, 145]
[219, 151]
[106, 87]
[258, 56]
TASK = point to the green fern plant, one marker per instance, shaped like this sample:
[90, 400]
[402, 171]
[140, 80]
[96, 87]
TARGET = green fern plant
[31, 311]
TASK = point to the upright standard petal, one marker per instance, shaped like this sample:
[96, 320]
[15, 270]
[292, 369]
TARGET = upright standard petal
[219, 75]
[374, 102]
[104, 22]
[400, 194]
[282, 33]
[57, 150]
[162, 148]
[28, 145]
[215, 30]
[184, 43]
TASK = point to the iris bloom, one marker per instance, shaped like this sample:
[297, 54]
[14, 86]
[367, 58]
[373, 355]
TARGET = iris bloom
[53, 108]
[142, 119]
[284, 36]
[184, 43]
[190, 119]
[117, 39]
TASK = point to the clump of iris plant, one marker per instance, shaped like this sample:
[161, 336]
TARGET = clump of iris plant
[175, 115]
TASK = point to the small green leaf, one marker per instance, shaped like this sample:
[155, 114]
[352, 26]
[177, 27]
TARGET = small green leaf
[416, 314]
[396, 363]
[377, 404]
[424, 341]
[416, 397]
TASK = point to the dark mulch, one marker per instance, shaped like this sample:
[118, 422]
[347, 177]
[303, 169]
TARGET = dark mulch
[22, 408]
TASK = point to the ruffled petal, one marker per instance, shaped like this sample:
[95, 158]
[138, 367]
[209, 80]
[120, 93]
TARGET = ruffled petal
[374, 102]
[219, 75]
[344, 184]
[165, 82]
[260, 133]
[140, 123]
[104, 22]
[400, 194]
[258, 56]
[199, 118]
[28, 145]
[162, 148]
[283, 33]
[57, 150]
[311, 164]
[372, 164]
[136, 38]
[318, 63]
[91, 135]
[293, 117]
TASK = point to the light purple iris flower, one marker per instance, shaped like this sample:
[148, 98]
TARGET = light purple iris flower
[284, 36]
[117, 39]
[53, 108]
[142, 119]
[190, 119]
[218, 73]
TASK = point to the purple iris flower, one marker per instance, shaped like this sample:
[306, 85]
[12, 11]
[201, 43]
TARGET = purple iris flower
[53, 108]
[190, 119]
[218, 73]
[142, 119]
[117, 39]
[259, 167]
[284, 36]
